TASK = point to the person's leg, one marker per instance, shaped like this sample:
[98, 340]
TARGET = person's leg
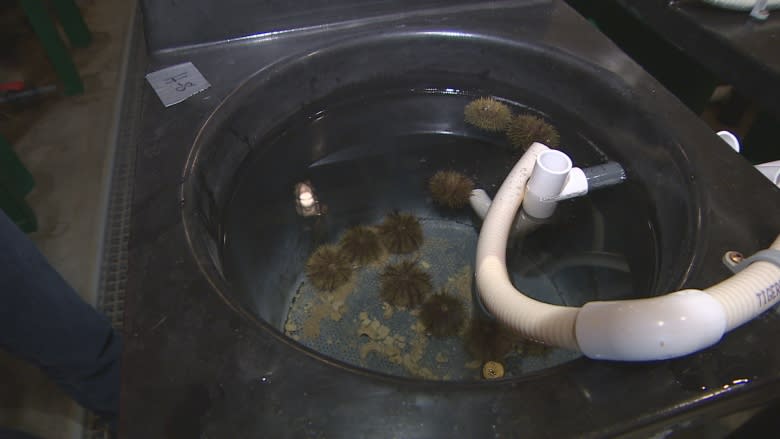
[43, 320]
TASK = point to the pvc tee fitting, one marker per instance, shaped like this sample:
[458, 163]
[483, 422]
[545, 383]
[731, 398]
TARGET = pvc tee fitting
[550, 172]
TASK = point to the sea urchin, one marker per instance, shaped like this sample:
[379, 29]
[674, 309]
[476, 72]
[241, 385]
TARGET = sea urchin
[450, 188]
[488, 114]
[404, 284]
[401, 233]
[442, 315]
[361, 245]
[525, 129]
[328, 268]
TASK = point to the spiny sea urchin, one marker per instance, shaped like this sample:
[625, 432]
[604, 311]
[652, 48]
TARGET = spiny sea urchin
[442, 315]
[486, 340]
[450, 188]
[488, 114]
[525, 129]
[404, 284]
[328, 268]
[361, 245]
[401, 233]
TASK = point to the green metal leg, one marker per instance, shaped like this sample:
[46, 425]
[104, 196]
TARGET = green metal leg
[15, 183]
[13, 175]
[72, 22]
[55, 48]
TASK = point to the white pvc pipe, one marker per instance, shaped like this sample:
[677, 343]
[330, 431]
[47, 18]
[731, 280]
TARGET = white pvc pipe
[576, 185]
[480, 201]
[657, 328]
[551, 169]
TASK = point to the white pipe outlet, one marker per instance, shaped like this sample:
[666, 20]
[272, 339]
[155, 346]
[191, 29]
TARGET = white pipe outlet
[657, 328]
[549, 175]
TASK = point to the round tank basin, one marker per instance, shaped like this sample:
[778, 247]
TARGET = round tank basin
[323, 199]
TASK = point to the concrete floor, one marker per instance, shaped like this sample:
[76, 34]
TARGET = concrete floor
[67, 143]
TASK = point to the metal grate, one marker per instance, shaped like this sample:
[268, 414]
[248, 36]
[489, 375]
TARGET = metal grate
[113, 272]
[113, 269]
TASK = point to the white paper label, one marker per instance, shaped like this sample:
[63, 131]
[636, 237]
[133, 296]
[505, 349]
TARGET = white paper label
[177, 83]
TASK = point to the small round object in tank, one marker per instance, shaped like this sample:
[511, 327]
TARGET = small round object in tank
[525, 129]
[361, 245]
[404, 284]
[328, 268]
[492, 370]
[401, 233]
[487, 113]
[443, 315]
[450, 189]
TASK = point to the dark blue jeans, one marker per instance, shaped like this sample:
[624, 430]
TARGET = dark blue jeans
[44, 321]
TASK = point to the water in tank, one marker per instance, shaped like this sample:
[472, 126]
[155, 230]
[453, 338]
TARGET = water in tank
[346, 228]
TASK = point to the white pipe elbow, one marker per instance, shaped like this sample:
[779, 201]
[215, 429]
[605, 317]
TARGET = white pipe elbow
[650, 329]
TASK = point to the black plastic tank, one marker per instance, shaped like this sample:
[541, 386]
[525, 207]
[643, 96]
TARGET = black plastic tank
[364, 120]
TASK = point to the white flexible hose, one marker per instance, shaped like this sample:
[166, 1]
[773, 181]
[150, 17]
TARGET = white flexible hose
[547, 323]
[741, 5]
[749, 292]
[635, 330]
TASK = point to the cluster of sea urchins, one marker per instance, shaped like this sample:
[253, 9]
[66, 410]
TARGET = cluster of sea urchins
[331, 266]
[522, 130]
[407, 285]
